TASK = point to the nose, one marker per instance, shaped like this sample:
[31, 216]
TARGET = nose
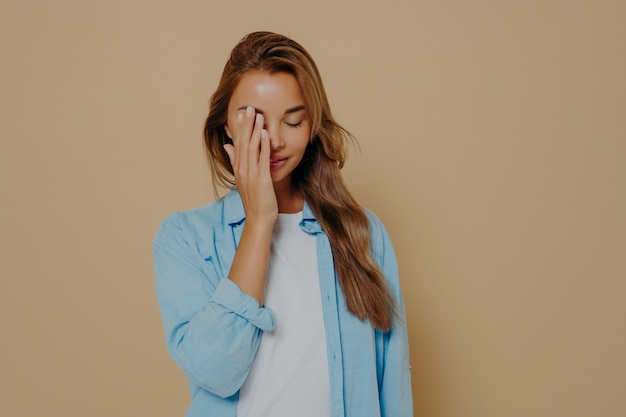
[276, 139]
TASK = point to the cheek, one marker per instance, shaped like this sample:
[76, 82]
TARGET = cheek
[300, 136]
[231, 127]
[300, 139]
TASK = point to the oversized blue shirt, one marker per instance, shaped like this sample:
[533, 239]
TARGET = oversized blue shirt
[213, 330]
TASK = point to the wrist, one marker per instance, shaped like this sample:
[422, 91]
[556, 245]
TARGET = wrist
[259, 226]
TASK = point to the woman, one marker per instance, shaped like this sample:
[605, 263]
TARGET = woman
[281, 298]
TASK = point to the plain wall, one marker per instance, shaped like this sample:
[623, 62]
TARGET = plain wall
[493, 147]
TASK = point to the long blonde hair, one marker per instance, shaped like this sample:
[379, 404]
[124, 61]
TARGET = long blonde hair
[317, 177]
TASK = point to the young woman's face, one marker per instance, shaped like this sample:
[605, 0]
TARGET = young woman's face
[278, 97]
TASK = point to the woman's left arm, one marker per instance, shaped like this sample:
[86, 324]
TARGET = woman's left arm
[396, 399]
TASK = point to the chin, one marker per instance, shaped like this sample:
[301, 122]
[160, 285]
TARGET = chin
[280, 178]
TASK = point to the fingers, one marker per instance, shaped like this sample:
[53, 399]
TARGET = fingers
[245, 152]
[264, 155]
[246, 123]
[254, 145]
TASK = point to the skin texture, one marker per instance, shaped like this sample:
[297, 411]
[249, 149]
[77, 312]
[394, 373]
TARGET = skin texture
[270, 129]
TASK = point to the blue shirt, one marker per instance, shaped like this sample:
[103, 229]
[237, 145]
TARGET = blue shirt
[213, 329]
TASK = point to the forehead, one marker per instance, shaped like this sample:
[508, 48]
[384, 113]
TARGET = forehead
[268, 92]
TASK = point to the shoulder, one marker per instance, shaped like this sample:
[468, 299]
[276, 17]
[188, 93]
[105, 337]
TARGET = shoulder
[373, 219]
[193, 224]
[380, 242]
[378, 232]
[383, 252]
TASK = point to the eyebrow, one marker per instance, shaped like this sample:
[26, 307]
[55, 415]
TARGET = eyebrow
[288, 111]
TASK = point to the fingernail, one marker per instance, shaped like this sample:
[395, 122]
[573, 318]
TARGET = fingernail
[239, 116]
[249, 111]
[259, 118]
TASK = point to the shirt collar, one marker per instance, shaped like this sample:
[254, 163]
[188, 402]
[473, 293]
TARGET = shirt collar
[309, 223]
[235, 214]
[233, 208]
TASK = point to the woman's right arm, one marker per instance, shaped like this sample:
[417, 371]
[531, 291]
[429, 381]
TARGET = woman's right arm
[212, 328]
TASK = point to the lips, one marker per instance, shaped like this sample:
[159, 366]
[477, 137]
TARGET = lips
[276, 161]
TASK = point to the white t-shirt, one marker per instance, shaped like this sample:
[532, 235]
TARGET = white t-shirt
[289, 376]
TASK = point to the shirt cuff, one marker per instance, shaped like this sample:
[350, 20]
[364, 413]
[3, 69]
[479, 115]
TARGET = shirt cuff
[228, 295]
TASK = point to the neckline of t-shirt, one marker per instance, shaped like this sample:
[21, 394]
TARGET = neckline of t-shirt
[289, 218]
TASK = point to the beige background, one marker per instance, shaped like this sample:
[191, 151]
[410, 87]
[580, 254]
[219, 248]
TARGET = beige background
[493, 141]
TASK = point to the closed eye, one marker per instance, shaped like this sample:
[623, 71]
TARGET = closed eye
[294, 125]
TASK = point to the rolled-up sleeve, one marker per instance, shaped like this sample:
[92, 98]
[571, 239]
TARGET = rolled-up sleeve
[212, 328]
